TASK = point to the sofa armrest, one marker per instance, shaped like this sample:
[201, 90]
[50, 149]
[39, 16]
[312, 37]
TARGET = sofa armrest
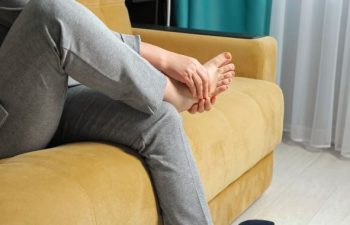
[254, 57]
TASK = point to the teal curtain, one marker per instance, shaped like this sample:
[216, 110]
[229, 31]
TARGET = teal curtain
[250, 17]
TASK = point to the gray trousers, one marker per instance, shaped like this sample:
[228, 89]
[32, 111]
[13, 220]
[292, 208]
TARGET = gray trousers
[120, 101]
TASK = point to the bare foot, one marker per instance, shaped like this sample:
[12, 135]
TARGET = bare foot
[220, 73]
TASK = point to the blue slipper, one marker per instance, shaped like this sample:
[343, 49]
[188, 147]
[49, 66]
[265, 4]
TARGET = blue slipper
[257, 222]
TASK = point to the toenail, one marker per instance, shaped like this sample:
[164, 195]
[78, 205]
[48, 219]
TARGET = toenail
[227, 55]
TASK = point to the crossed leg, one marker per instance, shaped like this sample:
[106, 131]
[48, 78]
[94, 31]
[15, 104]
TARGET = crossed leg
[124, 104]
[159, 138]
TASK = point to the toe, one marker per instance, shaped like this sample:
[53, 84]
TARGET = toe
[224, 82]
[227, 75]
[228, 56]
[221, 89]
[227, 68]
[222, 59]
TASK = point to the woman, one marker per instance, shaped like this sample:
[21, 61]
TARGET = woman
[122, 96]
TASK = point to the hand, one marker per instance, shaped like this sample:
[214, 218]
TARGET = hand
[202, 105]
[189, 71]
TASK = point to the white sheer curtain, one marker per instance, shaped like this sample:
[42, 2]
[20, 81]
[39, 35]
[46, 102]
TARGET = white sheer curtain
[314, 70]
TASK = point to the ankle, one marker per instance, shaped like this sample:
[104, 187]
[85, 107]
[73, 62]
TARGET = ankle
[178, 95]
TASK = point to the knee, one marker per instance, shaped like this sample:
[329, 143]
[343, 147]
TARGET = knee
[47, 9]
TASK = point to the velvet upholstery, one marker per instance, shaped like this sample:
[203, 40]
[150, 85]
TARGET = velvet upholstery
[243, 128]
[240, 194]
[112, 12]
[99, 183]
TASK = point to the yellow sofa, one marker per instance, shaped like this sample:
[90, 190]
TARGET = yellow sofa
[98, 183]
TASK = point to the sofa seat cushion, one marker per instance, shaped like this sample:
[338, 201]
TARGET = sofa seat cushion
[81, 183]
[244, 126]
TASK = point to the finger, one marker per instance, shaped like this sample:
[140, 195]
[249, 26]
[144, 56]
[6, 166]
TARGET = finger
[224, 82]
[190, 110]
[201, 107]
[190, 84]
[199, 85]
[205, 80]
[207, 104]
[213, 100]
[193, 109]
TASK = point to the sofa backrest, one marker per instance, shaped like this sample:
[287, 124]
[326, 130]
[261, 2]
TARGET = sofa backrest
[112, 12]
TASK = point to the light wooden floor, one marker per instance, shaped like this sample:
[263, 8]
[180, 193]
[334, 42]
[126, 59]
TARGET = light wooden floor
[308, 188]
